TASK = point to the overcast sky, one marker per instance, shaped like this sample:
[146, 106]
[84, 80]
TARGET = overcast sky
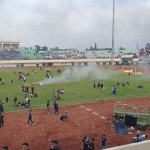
[75, 23]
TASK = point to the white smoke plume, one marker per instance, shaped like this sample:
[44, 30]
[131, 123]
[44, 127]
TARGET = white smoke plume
[76, 74]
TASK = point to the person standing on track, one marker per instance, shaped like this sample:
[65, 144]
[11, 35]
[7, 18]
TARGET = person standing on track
[55, 107]
[103, 143]
[91, 145]
[30, 118]
[48, 107]
[85, 143]
[1, 120]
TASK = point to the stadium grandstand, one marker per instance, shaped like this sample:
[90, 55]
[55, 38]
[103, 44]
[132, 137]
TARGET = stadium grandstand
[11, 50]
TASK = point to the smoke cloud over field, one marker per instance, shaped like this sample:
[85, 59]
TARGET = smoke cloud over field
[76, 74]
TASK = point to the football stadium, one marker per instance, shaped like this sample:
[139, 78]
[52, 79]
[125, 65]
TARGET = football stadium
[78, 76]
[99, 98]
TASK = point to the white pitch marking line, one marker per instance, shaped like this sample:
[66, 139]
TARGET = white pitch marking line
[95, 113]
[88, 109]
[118, 102]
[102, 117]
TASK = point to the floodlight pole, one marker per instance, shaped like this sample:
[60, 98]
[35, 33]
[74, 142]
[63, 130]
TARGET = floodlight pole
[113, 25]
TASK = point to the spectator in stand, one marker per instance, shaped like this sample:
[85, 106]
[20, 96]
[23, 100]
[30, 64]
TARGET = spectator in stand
[54, 145]
[5, 148]
[25, 146]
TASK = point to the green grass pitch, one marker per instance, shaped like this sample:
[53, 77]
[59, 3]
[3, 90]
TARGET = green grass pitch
[75, 92]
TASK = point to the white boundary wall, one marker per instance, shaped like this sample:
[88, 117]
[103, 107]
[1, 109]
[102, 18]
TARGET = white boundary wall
[63, 62]
[134, 146]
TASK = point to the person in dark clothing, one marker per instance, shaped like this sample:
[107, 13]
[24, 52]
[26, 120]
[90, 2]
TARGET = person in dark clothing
[15, 101]
[27, 88]
[6, 100]
[85, 143]
[135, 139]
[12, 81]
[102, 86]
[118, 83]
[114, 90]
[28, 104]
[1, 120]
[54, 145]
[103, 143]
[22, 88]
[30, 118]
[48, 107]
[35, 95]
[129, 74]
[91, 145]
[47, 76]
[1, 106]
[94, 84]
[56, 107]
[5, 148]
[98, 85]
[25, 146]
[65, 116]
[32, 89]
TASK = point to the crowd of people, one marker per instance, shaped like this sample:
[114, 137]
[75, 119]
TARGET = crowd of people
[144, 52]
[10, 55]
[90, 145]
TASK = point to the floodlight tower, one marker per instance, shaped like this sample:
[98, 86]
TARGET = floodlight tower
[113, 25]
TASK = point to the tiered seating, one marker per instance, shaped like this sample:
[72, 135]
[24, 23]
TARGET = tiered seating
[10, 55]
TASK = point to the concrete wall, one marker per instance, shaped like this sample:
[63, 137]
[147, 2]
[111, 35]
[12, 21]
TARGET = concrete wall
[65, 62]
[134, 146]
